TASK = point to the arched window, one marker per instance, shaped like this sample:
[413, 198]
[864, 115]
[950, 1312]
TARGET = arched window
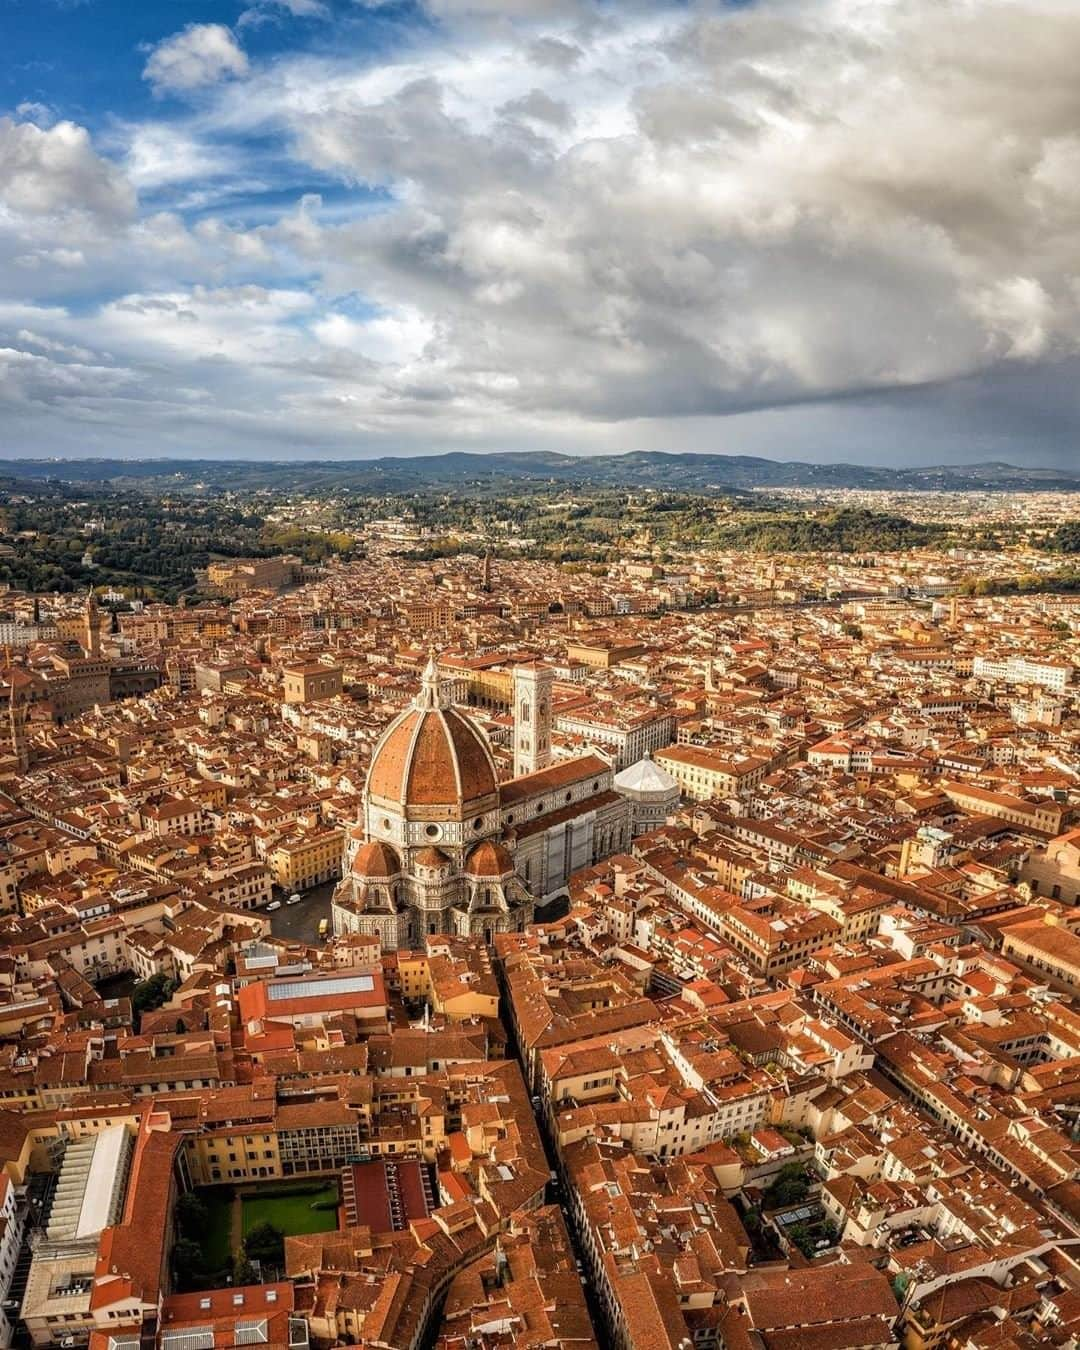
[525, 712]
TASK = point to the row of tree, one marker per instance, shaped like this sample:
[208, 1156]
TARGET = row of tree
[262, 1247]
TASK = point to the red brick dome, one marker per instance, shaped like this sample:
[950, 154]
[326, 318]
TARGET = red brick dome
[376, 860]
[433, 761]
[432, 857]
[489, 860]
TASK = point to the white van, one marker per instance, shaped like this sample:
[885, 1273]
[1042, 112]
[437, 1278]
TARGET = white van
[274, 904]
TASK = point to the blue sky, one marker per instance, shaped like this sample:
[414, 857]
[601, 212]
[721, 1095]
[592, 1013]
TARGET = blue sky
[800, 228]
[86, 57]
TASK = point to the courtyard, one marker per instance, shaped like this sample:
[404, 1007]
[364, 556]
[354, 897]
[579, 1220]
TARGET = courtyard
[291, 1207]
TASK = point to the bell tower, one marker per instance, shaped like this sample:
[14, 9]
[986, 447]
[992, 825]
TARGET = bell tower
[532, 717]
[91, 626]
[17, 713]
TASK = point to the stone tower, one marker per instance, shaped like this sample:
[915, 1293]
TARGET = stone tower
[17, 711]
[532, 717]
[91, 626]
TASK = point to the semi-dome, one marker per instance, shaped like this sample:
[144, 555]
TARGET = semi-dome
[433, 857]
[433, 760]
[489, 859]
[376, 860]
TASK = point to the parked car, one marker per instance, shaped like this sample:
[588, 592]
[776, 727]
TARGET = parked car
[274, 904]
[293, 900]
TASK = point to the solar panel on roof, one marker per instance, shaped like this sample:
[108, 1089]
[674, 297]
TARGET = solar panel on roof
[340, 984]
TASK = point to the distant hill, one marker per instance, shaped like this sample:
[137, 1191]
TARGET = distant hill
[505, 471]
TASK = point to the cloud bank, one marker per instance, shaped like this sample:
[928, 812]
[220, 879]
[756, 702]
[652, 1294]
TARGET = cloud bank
[837, 229]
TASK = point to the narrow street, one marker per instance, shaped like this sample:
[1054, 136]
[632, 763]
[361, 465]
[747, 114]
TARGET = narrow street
[557, 1192]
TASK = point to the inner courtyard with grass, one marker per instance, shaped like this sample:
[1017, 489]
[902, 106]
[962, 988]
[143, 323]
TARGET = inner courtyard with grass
[291, 1207]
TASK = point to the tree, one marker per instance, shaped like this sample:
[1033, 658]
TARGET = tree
[243, 1271]
[192, 1215]
[265, 1243]
[789, 1187]
[802, 1238]
[1066, 538]
[152, 993]
[189, 1264]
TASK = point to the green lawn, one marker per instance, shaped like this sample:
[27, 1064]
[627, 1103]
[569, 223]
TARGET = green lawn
[287, 1205]
[292, 1211]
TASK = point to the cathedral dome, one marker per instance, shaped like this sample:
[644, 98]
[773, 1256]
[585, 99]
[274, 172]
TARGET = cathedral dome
[376, 860]
[489, 860]
[433, 761]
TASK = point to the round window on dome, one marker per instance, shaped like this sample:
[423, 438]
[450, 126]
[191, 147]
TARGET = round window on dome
[432, 831]
[596, 786]
[478, 823]
[569, 797]
[384, 824]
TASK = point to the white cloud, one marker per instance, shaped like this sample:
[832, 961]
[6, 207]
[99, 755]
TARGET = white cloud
[602, 227]
[200, 54]
[268, 11]
[70, 258]
[27, 339]
[160, 153]
[55, 171]
[39, 113]
[531, 10]
[397, 339]
[1019, 314]
[30, 378]
[735, 211]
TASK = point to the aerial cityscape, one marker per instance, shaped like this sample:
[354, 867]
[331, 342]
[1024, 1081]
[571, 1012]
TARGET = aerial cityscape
[539, 675]
[535, 914]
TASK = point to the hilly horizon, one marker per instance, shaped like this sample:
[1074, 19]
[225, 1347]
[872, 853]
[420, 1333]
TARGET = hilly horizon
[638, 469]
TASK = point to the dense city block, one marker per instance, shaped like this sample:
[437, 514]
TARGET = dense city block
[422, 926]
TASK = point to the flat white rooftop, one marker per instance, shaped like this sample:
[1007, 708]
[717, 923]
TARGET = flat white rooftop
[91, 1186]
